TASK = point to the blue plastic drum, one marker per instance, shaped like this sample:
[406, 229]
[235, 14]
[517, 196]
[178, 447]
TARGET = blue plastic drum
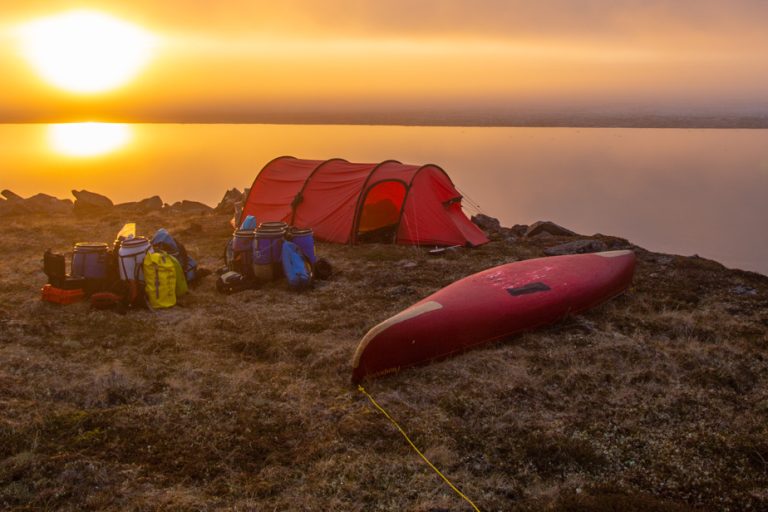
[89, 260]
[267, 253]
[242, 251]
[304, 238]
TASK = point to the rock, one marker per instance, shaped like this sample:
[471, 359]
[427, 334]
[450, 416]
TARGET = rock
[486, 223]
[576, 247]
[11, 196]
[43, 203]
[151, 204]
[545, 226]
[8, 208]
[519, 229]
[189, 207]
[90, 202]
[232, 198]
[743, 290]
[193, 229]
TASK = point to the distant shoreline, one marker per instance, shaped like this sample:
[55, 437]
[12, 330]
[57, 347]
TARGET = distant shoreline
[458, 121]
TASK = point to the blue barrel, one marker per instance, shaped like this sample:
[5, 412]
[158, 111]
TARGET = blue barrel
[305, 239]
[242, 252]
[267, 253]
[89, 260]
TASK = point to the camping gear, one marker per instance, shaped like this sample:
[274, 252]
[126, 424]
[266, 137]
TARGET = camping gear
[181, 282]
[323, 269]
[89, 260]
[165, 242]
[55, 267]
[348, 202]
[160, 279]
[105, 300]
[56, 295]
[249, 223]
[131, 253]
[490, 305]
[231, 282]
[242, 252]
[131, 256]
[304, 238]
[296, 266]
[267, 252]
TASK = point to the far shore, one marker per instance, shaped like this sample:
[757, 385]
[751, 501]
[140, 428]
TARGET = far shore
[454, 119]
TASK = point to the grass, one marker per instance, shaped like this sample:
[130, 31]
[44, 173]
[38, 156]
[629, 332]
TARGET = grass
[655, 401]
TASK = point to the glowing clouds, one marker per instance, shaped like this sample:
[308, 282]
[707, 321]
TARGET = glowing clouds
[85, 51]
[88, 139]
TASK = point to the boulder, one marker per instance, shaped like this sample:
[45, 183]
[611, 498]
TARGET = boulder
[576, 247]
[232, 198]
[8, 208]
[11, 196]
[43, 203]
[545, 226]
[151, 204]
[189, 207]
[486, 223]
[90, 202]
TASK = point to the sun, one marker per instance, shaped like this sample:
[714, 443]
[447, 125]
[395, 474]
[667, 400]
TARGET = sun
[86, 51]
[88, 139]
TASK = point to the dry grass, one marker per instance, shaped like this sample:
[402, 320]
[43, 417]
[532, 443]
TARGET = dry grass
[655, 401]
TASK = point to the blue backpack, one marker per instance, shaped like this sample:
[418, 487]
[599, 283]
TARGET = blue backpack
[165, 242]
[296, 266]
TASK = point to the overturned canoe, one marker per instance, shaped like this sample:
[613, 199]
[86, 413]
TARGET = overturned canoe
[490, 305]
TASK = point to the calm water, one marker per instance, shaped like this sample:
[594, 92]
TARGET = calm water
[680, 191]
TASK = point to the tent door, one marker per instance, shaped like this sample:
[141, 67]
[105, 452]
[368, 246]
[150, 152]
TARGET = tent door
[379, 214]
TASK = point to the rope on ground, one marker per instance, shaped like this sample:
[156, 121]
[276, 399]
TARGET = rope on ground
[445, 479]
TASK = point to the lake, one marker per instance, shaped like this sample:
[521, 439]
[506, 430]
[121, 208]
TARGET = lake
[682, 191]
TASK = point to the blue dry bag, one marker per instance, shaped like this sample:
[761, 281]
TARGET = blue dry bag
[296, 266]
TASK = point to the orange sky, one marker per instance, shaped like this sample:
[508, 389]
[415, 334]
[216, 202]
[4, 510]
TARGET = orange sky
[232, 60]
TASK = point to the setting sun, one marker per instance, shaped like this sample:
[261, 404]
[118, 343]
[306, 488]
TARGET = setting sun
[85, 51]
[88, 139]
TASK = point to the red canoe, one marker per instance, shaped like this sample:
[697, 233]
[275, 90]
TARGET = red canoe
[492, 304]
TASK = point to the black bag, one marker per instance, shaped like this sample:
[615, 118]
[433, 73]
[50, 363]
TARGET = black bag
[232, 282]
[55, 268]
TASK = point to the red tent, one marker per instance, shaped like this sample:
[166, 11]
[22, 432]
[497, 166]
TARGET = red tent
[345, 202]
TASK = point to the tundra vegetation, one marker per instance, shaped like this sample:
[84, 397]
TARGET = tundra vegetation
[657, 400]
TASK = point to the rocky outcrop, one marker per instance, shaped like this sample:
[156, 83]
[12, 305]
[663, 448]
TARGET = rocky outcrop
[87, 203]
[151, 204]
[189, 207]
[43, 203]
[487, 223]
[14, 204]
[231, 200]
[577, 247]
[545, 226]
[11, 196]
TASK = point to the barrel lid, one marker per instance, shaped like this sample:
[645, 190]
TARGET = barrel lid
[92, 246]
[134, 242]
[244, 233]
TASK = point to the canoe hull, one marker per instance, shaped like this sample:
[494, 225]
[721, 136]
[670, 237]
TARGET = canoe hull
[490, 305]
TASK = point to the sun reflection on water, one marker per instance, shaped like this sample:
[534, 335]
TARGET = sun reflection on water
[88, 139]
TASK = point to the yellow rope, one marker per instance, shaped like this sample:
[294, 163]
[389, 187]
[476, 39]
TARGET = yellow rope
[445, 479]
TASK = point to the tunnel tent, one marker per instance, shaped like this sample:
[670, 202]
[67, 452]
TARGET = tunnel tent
[346, 202]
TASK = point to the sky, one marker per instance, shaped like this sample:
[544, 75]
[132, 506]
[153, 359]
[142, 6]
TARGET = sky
[239, 60]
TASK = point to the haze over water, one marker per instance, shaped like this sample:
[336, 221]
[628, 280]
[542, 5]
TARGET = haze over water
[669, 190]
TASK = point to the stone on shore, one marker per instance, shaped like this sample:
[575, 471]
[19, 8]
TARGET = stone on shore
[576, 247]
[189, 207]
[232, 198]
[43, 203]
[487, 223]
[90, 202]
[11, 196]
[545, 226]
[151, 204]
